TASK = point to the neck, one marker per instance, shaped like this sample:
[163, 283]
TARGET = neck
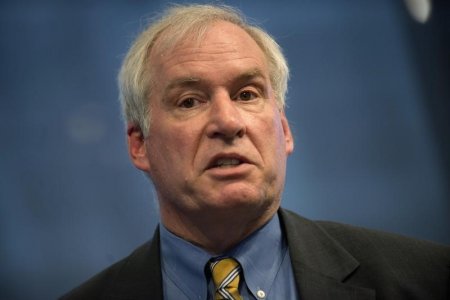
[216, 232]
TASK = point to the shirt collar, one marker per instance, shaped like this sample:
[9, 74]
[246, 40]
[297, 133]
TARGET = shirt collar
[184, 264]
[260, 256]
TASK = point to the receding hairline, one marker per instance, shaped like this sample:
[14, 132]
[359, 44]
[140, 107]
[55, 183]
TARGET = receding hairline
[168, 37]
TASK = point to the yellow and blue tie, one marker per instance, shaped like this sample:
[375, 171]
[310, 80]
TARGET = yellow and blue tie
[225, 274]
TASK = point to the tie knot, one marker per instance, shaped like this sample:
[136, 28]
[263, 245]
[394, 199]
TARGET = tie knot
[225, 274]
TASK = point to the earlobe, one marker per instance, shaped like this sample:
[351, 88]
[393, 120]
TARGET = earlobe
[289, 139]
[137, 148]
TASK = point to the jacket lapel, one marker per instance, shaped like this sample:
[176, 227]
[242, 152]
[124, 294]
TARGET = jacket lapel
[140, 277]
[320, 264]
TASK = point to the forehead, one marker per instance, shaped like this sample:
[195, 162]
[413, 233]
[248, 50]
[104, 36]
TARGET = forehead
[220, 41]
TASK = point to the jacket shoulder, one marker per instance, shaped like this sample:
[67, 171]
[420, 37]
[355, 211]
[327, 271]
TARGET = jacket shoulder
[95, 286]
[395, 266]
[101, 284]
[359, 240]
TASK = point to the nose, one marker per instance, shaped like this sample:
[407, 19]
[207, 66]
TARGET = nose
[225, 119]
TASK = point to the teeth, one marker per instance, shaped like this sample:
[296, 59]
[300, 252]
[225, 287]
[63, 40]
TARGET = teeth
[227, 162]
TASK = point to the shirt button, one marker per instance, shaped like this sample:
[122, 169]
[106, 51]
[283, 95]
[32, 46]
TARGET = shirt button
[260, 294]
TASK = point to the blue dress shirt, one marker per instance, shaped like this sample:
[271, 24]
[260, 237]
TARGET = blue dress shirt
[264, 257]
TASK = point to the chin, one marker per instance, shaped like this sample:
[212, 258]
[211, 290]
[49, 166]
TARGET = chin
[253, 199]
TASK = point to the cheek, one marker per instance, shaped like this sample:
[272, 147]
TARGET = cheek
[172, 146]
[272, 132]
[274, 144]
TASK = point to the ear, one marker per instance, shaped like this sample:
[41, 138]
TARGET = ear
[289, 139]
[137, 148]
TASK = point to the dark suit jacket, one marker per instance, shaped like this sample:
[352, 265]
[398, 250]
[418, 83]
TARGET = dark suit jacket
[330, 261]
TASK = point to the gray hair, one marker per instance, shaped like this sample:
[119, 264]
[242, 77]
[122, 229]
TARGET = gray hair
[135, 77]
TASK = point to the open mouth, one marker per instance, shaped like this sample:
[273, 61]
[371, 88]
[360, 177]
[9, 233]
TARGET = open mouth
[226, 161]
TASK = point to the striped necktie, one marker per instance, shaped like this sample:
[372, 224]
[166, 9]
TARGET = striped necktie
[225, 274]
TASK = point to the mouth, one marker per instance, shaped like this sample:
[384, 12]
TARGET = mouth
[226, 161]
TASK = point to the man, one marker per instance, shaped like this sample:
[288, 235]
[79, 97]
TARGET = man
[203, 97]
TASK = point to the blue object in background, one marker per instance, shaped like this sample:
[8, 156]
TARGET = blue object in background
[368, 105]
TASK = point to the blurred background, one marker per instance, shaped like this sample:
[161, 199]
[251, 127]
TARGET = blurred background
[368, 103]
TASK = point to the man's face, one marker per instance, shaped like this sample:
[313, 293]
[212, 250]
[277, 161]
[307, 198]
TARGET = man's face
[217, 139]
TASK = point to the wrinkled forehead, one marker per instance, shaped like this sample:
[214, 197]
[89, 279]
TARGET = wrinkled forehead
[172, 37]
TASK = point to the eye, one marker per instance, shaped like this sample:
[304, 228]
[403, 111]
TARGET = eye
[188, 103]
[247, 96]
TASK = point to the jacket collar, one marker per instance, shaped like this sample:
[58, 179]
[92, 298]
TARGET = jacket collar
[140, 276]
[321, 265]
